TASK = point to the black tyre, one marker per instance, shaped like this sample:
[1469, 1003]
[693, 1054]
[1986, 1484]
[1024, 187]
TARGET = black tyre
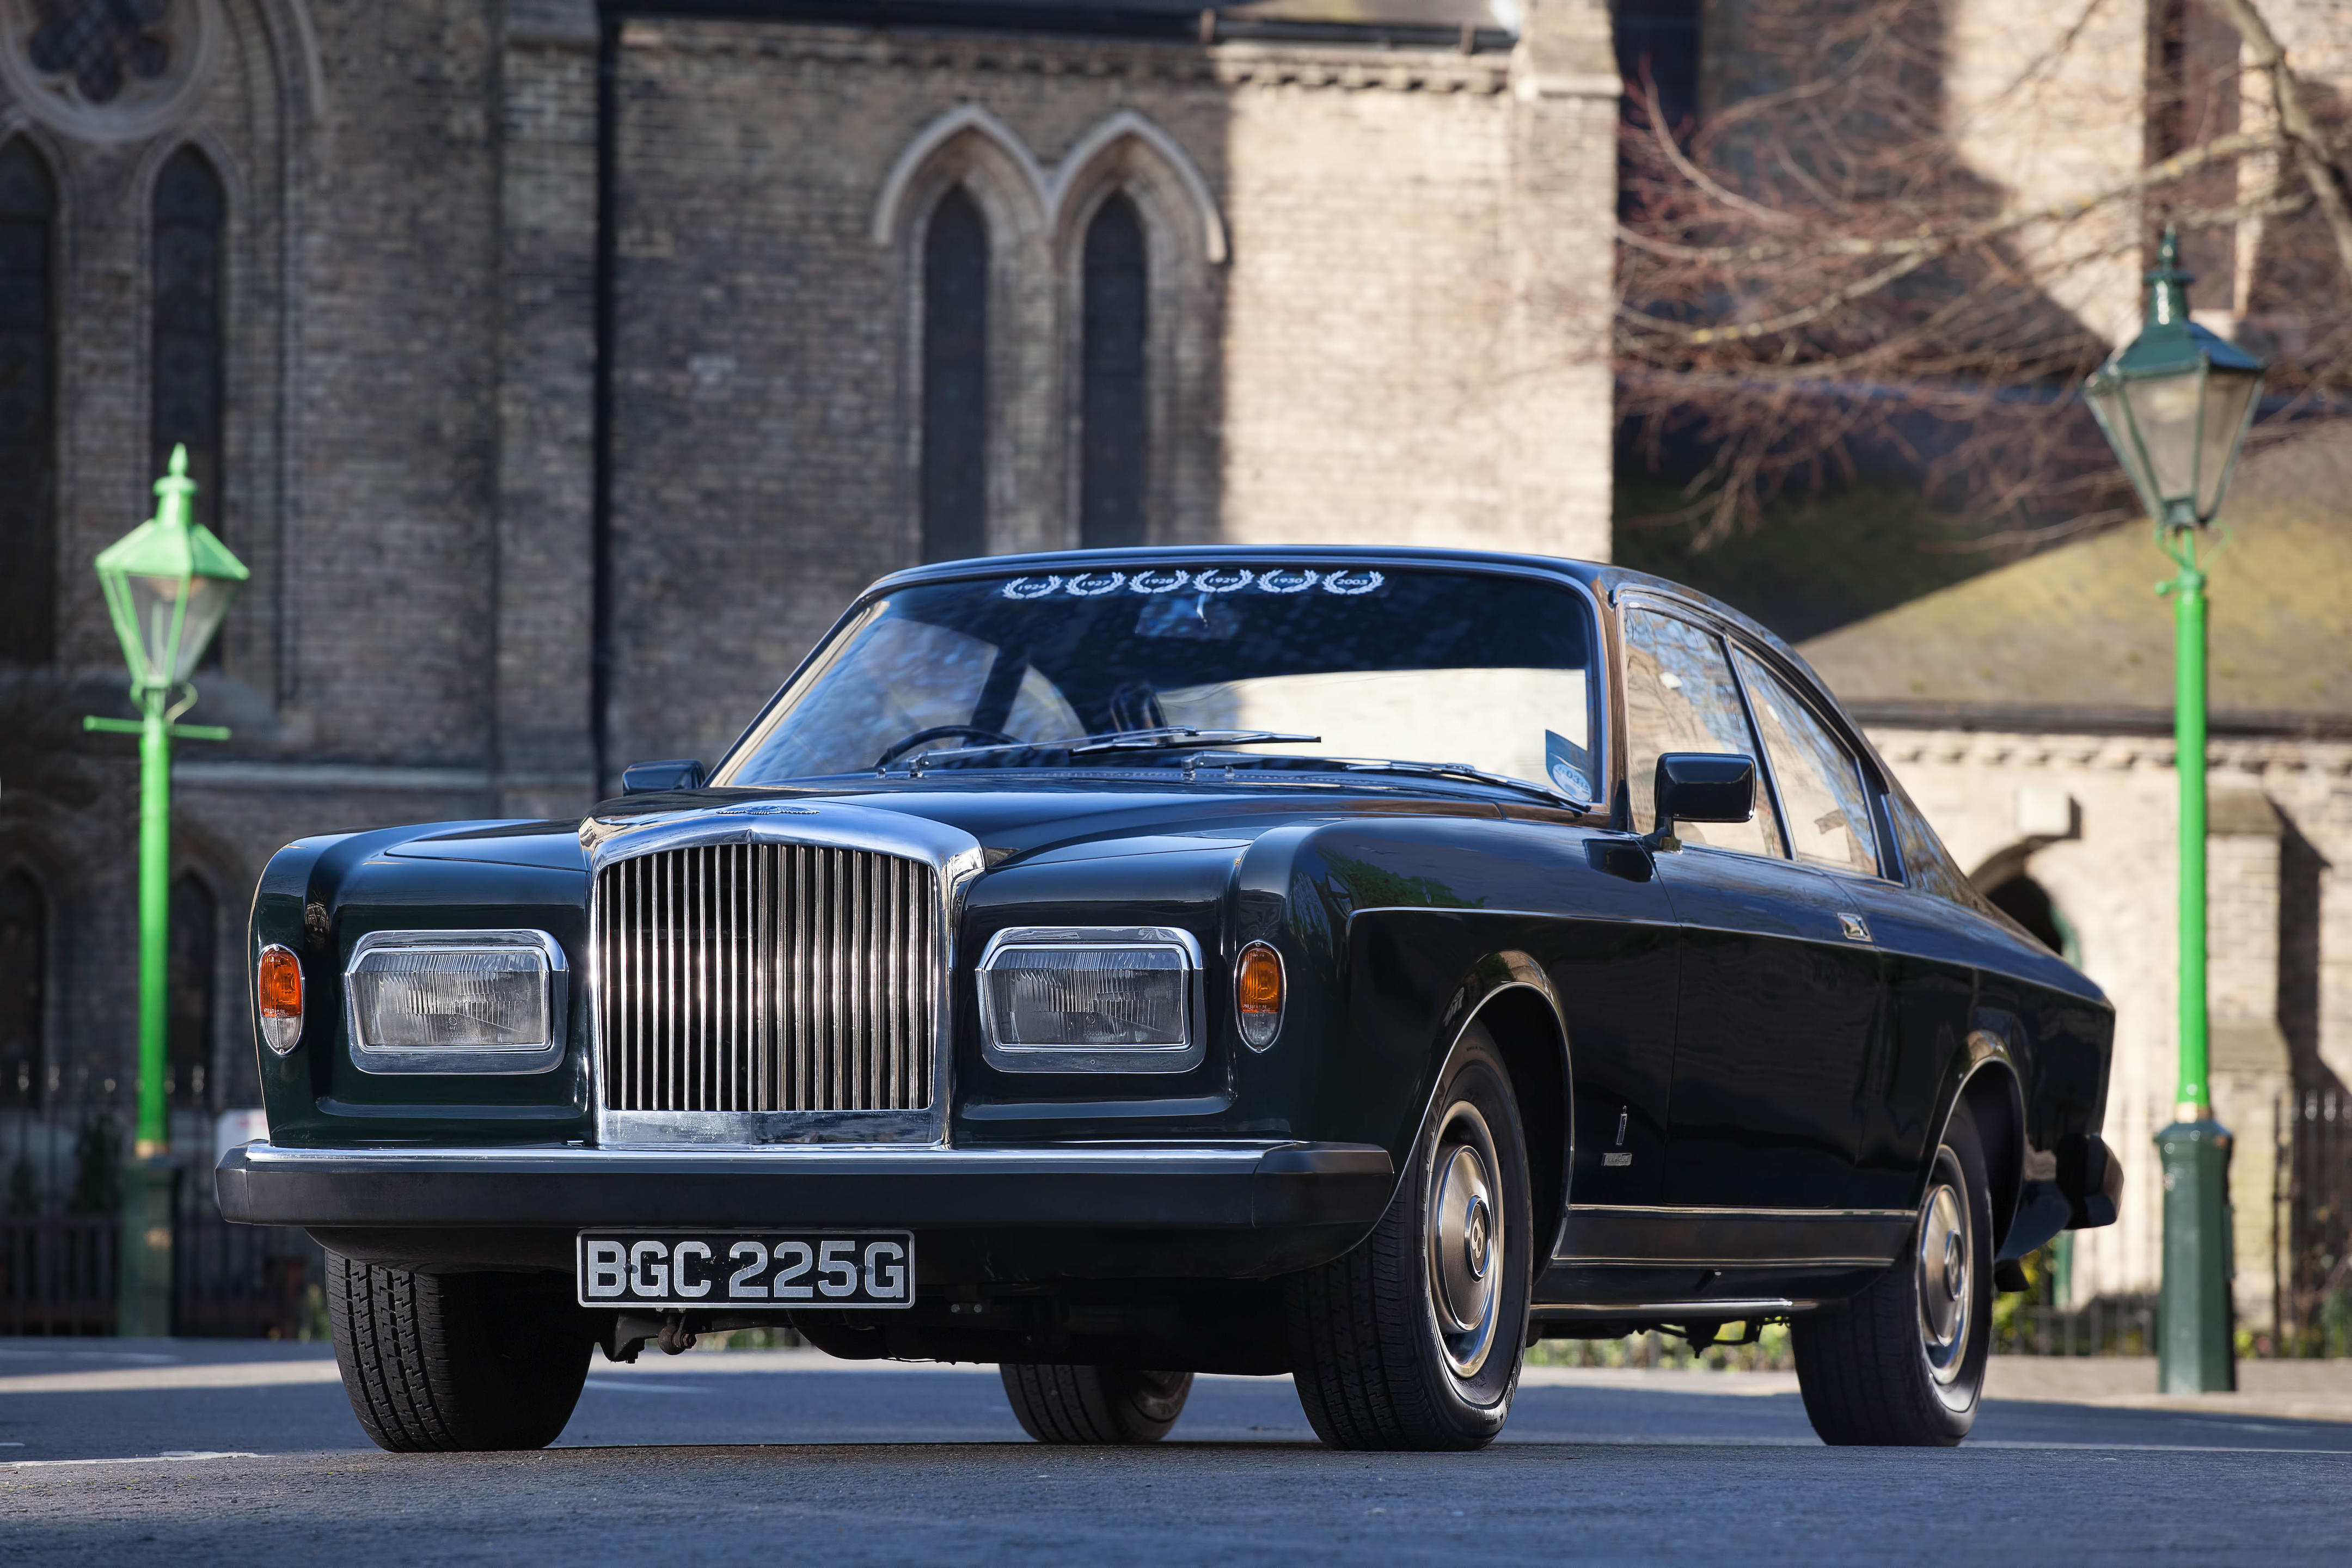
[1063, 1404]
[1415, 1339]
[458, 1363]
[1903, 1365]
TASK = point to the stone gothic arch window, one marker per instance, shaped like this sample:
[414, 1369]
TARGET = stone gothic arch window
[1114, 412]
[954, 475]
[192, 964]
[24, 990]
[28, 441]
[187, 323]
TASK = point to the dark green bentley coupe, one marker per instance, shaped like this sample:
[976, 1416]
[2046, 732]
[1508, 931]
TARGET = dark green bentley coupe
[1357, 964]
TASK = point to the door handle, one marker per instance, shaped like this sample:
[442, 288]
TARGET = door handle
[1854, 926]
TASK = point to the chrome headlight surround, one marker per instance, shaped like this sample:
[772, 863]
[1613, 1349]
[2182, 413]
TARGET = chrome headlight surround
[1088, 1056]
[544, 965]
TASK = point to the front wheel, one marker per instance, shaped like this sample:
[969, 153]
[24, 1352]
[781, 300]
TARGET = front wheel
[457, 1362]
[1059, 1403]
[1903, 1365]
[1415, 1339]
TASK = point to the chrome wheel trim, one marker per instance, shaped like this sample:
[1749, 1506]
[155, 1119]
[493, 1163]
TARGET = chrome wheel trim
[1463, 1241]
[1945, 1275]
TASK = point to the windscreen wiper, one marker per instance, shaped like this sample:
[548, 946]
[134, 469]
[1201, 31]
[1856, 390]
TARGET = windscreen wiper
[1179, 736]
[1392, 765]
[1162, 738]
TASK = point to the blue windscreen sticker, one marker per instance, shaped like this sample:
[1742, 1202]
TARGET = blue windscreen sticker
[1569, 767]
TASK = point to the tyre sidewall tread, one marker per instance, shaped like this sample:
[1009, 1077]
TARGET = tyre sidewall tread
[422, 1365]
[1063, 1402]
[1364, 1352]
[1860, 1367]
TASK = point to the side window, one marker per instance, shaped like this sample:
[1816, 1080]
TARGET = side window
[1926, 865]
[1680, 697]
[1820, 783]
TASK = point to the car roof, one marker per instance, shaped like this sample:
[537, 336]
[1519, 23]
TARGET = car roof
[1605, 581]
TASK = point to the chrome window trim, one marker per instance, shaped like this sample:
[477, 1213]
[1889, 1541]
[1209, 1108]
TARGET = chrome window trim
[1097, 1058]
[955, 858]
[1810, 690]
[507, 1061]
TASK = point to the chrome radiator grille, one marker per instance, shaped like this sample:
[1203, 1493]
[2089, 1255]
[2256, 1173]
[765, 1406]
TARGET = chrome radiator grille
[752, 978]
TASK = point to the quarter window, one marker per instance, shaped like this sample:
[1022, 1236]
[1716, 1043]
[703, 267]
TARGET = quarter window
[1820, 783]
[1680, 697]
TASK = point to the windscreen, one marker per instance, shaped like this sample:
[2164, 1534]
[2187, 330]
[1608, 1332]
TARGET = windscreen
[1478, 670]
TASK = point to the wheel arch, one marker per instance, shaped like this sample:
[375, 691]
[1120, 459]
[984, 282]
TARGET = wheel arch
[1509, 994]
[1991, 1088]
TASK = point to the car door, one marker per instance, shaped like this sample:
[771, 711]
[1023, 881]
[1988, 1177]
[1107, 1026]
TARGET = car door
[1924, 953]
[1779, 997]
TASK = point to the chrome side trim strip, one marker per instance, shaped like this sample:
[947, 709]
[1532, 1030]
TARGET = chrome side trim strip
[1728, 1309]
[1679, 1262]
[1664, 1209]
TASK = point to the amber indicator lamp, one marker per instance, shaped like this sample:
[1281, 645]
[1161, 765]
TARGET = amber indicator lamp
[278, 991]
[1257, 993]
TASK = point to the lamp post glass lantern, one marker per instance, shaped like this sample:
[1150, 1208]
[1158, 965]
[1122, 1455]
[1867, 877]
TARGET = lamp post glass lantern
[2175, 403]
[168, 584]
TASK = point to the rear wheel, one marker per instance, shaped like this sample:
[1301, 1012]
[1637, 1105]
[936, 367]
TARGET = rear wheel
[1058, 1403]
[1415, 1339]
[457, 1362]
[1903, 1364]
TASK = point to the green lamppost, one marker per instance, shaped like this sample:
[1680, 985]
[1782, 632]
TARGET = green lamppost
[2176, 404]
[168, 584]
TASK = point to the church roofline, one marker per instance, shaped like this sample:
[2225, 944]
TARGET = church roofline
[1470, 24]
[2045, 718]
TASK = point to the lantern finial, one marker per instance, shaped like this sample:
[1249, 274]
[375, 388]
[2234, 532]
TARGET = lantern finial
[173, 489]
[2168, 286]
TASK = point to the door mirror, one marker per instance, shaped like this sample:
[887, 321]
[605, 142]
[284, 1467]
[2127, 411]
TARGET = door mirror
[1703, 786]
[686, 773]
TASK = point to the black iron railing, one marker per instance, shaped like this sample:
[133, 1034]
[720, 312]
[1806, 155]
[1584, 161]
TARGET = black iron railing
[2315, 1306]
[60, 1201]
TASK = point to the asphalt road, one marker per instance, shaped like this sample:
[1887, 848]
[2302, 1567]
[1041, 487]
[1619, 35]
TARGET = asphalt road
[121, 1454]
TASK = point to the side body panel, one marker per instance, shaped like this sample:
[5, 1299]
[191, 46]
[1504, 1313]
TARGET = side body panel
[1780, 1024]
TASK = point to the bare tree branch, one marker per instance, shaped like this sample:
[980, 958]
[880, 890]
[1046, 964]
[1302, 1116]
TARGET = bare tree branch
[2220, 150]
[2311, 143]
[1825, 280]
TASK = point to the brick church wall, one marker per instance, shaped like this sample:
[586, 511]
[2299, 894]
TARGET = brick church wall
[1362, 367]
[1398, 340]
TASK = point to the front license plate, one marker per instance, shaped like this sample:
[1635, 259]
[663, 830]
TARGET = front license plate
[739, 1268]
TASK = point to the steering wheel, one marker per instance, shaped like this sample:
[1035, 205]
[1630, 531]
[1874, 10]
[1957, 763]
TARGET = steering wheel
[941, 732]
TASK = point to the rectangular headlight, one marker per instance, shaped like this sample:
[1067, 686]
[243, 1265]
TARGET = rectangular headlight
[1091, 999]
[470, 1002]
